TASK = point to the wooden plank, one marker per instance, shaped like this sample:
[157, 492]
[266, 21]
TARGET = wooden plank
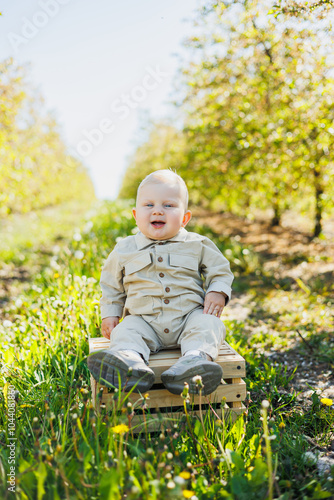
[169, 358]
[230, 368]
[98, 342]
[161, 398]
[236, 404]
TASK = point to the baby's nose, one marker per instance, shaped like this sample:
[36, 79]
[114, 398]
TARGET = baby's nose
[158, 210]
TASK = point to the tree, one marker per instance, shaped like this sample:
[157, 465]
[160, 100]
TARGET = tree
[294, 8]
[248, 77]
[36, 168]
[257, 113]
[164, 148]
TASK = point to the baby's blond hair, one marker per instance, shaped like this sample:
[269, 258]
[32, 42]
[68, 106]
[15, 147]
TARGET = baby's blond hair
[167, 177]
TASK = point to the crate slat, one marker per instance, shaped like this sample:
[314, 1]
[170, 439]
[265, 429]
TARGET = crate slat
[161, 398]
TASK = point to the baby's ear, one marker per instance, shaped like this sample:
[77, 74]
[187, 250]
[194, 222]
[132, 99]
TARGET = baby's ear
[134, 213]
[186, 218]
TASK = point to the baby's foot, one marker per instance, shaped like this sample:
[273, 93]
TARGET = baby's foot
[188, 367]
[111, 367]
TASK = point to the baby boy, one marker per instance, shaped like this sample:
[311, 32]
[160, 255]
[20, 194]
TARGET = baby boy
[170, 286]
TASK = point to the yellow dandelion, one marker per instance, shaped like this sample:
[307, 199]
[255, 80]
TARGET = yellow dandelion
[326, 401]
[120, 429]
[281, 425]
[56, 275]
[185, 474]
[188, 493]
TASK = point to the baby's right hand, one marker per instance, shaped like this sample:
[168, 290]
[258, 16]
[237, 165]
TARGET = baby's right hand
[108, 324]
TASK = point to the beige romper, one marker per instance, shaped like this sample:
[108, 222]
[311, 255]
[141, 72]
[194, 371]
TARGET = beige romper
[159, 289]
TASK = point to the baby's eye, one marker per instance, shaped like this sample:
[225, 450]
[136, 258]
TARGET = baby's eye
[149, 204]
[168, 205]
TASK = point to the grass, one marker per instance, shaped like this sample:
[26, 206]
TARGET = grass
[64, 450]
[23, 235]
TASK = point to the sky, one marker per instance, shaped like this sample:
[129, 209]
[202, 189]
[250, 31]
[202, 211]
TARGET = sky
[102, 67]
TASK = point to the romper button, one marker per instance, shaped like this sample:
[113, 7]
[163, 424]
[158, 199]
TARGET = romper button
[161, 275]
[167, 289]
[166, 330]
[160, 259]
[166, 301]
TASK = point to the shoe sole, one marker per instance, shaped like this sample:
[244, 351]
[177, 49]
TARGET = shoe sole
[211, 374]
[107, 369]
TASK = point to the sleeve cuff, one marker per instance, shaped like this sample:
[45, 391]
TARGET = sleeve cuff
[110, 310]
[220, 287]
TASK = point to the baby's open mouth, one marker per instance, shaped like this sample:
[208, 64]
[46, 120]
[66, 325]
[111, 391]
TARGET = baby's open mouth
[158, 223]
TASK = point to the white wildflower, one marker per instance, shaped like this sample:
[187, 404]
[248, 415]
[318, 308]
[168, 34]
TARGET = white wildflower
[77, 236]
[54, 264]
[179, 480]
[309, 458]
[88, 227]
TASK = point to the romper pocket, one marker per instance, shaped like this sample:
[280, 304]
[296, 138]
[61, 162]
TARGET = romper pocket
[138, 263]
[185, 269]
[185, 261]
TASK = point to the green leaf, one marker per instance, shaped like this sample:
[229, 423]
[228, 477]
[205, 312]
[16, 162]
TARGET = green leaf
[41, 475]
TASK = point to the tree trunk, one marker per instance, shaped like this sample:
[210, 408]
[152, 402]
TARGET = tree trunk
[276, 220]
[319, 191]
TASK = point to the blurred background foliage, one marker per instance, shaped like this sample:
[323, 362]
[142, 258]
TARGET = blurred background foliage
[36, 170]
[253, 125]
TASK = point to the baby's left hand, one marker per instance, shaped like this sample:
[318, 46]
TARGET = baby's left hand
[214, 303]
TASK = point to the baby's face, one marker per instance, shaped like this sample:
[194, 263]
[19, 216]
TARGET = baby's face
[160, 211]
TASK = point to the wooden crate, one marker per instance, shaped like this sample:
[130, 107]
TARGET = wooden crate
[232, 387]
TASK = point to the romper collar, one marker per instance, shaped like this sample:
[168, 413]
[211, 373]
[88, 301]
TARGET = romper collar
[143, 242]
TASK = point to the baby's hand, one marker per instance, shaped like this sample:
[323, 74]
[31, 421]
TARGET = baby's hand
[214, 303]
[108, 324]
